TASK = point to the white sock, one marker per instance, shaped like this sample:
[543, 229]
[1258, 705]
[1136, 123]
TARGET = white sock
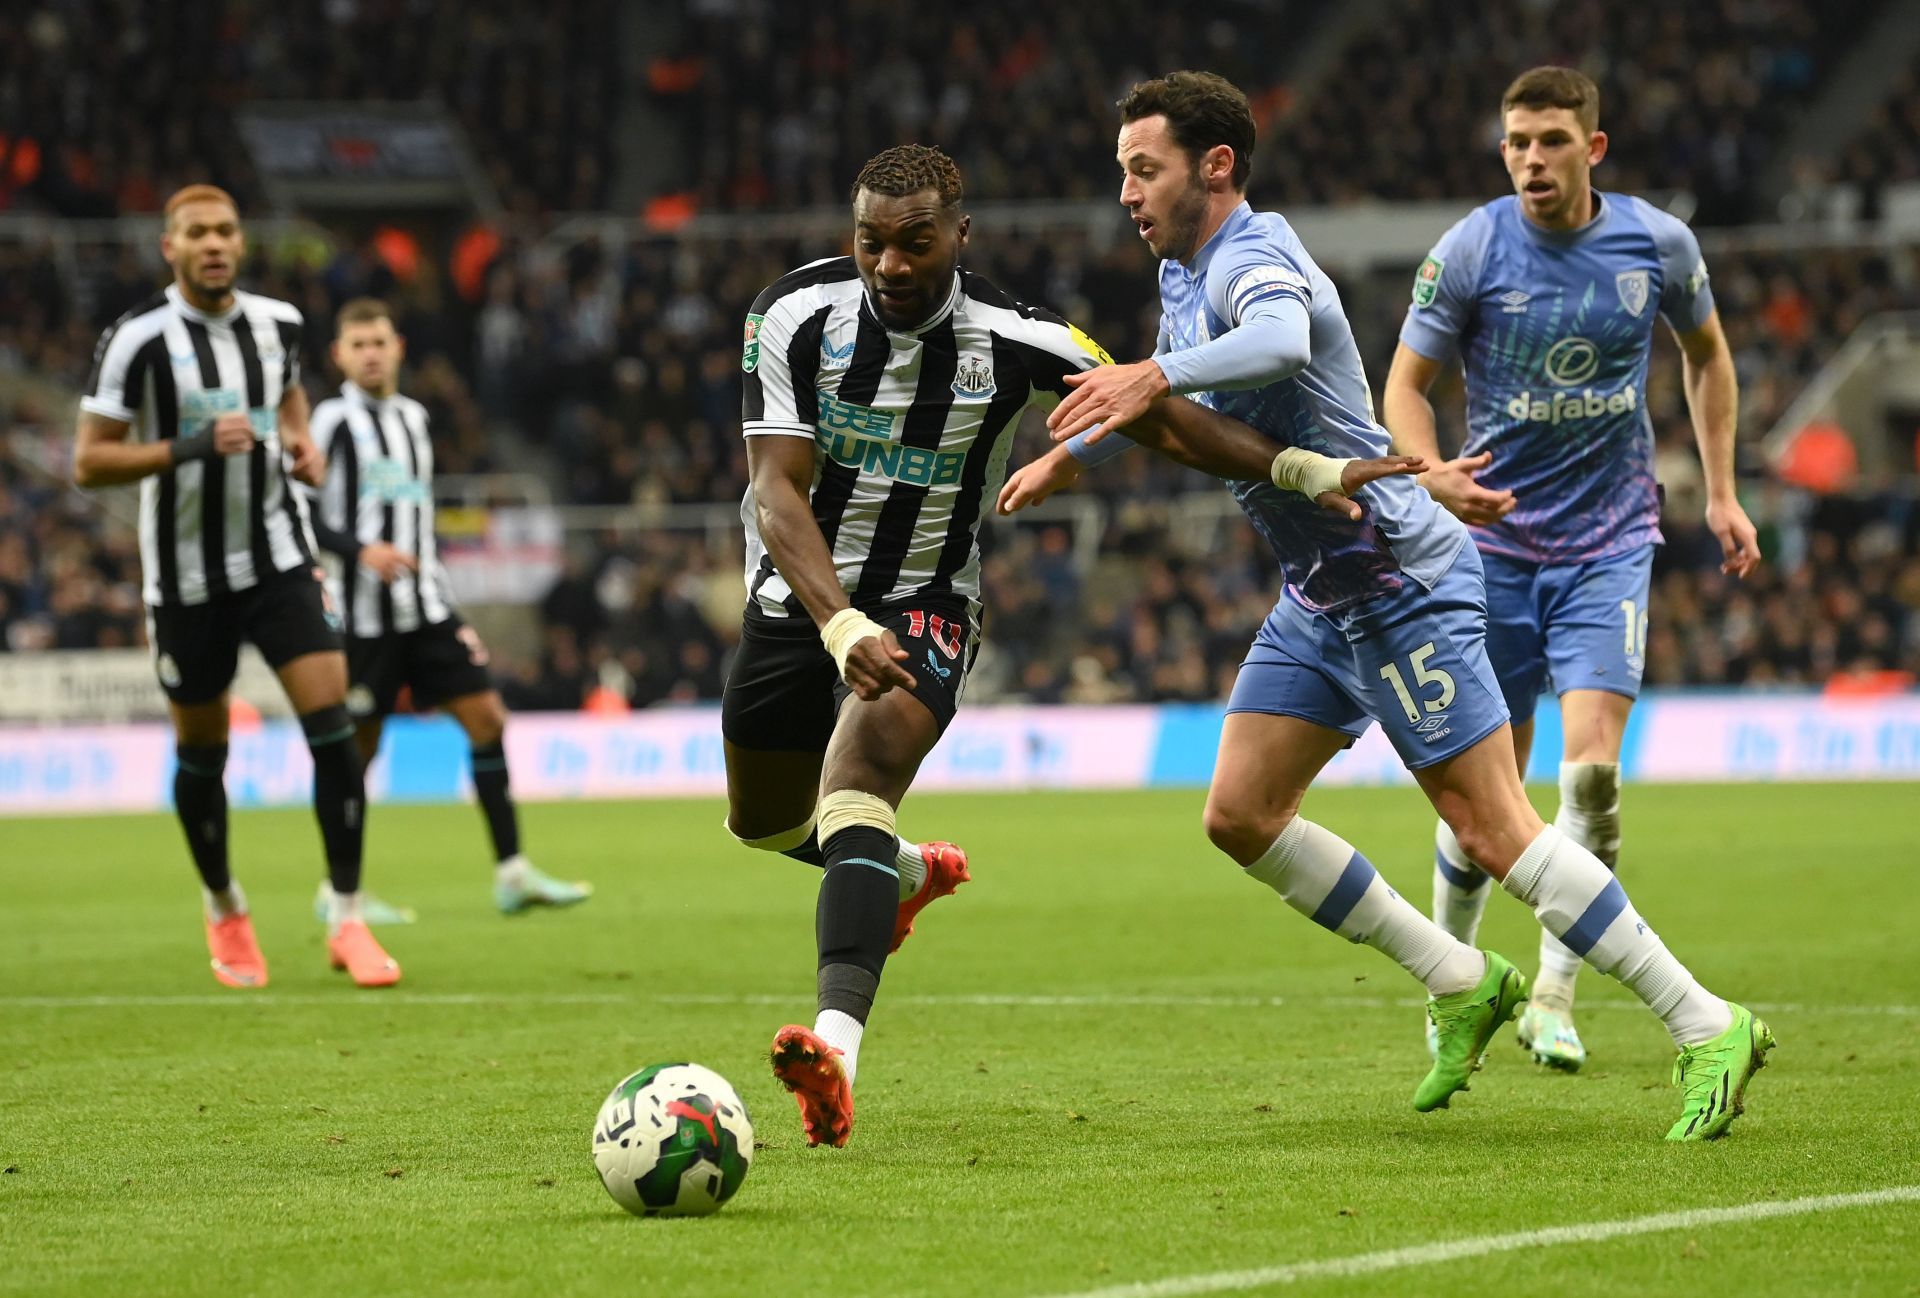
[511, 870]
[342, 908]
[1459, 886]
[912, 867]
[841, 1031]
[1319, 874]
[221, 905]
[1580, 901]
[1590, 816]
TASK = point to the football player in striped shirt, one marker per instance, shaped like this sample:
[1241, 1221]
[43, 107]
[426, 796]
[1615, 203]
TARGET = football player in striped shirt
[882, 391]
[195, 394]
[374, 518]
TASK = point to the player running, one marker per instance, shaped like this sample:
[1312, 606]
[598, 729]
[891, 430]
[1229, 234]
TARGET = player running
[882, 392]
[195, 395]
[374, 517]
[1549, 295]
[1383, 618]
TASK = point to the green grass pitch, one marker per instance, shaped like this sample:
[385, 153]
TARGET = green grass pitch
[1109, 1060]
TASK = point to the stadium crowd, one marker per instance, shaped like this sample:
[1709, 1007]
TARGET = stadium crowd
[619, 368]
[75, 75]
[612, 369]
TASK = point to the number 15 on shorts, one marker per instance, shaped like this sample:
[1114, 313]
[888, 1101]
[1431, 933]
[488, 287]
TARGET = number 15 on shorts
[1424, 678]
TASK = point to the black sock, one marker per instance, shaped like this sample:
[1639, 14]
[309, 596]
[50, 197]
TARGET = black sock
[200, 800]
[853, 923]
[339, 793]
[808, 853]
[490, 785]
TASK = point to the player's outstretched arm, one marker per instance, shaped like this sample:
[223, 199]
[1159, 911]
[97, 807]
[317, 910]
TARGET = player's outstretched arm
[1410, 422]
[781, 470]
[104, 457]
[1713, 399]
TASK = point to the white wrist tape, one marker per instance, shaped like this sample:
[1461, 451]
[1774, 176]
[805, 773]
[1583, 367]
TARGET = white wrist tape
[844, 630]
[1308, 472]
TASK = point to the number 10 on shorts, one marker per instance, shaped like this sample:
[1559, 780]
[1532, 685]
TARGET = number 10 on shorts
[1423, 677]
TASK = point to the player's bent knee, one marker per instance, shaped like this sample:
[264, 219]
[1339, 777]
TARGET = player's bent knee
[851, 809]
[1242, 832]
[784, 841]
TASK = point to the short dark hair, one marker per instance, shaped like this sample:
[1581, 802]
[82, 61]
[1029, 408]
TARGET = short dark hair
[1202, 110]
[360, 310]
[911, 169]
[1556, 87]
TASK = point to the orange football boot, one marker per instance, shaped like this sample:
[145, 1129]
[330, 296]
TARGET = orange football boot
[816, 1074]
[946, 870]
[237, 961]
[352, 947]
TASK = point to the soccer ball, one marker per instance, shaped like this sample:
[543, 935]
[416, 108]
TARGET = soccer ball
[673, 1140]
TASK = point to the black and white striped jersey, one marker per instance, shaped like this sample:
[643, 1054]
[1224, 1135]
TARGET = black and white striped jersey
[214, 526]
[379, 487]
[911, 431]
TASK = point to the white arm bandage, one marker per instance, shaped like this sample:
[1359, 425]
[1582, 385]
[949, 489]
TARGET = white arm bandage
[1308, 472]
[844, 630]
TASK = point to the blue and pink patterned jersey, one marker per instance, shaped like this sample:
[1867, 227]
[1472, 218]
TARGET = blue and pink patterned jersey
[1554, 330]
[1330, 562]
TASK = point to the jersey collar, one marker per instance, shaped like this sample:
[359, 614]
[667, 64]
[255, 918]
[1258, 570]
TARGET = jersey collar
[355, 393]
[1568, 238]
[946, 309]
[192, 312]
[1236, 221]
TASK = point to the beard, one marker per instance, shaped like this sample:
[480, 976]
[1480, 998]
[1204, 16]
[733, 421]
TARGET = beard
[1184, 221]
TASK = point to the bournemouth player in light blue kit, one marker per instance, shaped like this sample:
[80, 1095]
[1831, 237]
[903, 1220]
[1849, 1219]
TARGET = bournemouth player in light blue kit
[1383, 616]
[1549, 297]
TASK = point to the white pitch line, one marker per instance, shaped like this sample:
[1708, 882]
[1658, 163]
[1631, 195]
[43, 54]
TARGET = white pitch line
[980, 1000]
[1592, 1232]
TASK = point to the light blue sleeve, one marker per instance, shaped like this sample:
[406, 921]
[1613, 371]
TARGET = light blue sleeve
[1447, 287]
[1101, 451]
[1686, 300]
[1264, 293]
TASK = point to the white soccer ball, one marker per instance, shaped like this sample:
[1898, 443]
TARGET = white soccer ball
[673, 1140]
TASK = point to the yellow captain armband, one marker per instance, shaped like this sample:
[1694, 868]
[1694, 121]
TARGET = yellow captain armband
[1308, 472]
[844, 630]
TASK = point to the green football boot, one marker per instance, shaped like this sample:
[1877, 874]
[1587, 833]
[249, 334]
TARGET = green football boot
[1714, 1076]
[1549, 1037]
[372, 910]
[521, 888]
[1463, 1023]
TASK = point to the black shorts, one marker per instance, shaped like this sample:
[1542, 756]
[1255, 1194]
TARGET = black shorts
[438, 662]
[783, 693]
[196, 647]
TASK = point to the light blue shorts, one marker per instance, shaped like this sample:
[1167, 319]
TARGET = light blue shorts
[1415, 661]
[1580, 626]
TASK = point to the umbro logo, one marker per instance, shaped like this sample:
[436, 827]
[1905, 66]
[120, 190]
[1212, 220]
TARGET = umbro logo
[1514, 302]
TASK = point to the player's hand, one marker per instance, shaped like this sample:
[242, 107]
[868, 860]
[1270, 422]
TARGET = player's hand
[873, 667]
[1358, 473]
[233, 435]
[304, 461]
[385, 562]
[1739, 543]
[1112, 396]
[1451, 483]
[1033, 483]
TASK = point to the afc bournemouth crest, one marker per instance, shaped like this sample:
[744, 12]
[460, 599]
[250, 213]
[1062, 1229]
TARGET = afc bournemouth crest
[1634, 289]
[973, 378]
